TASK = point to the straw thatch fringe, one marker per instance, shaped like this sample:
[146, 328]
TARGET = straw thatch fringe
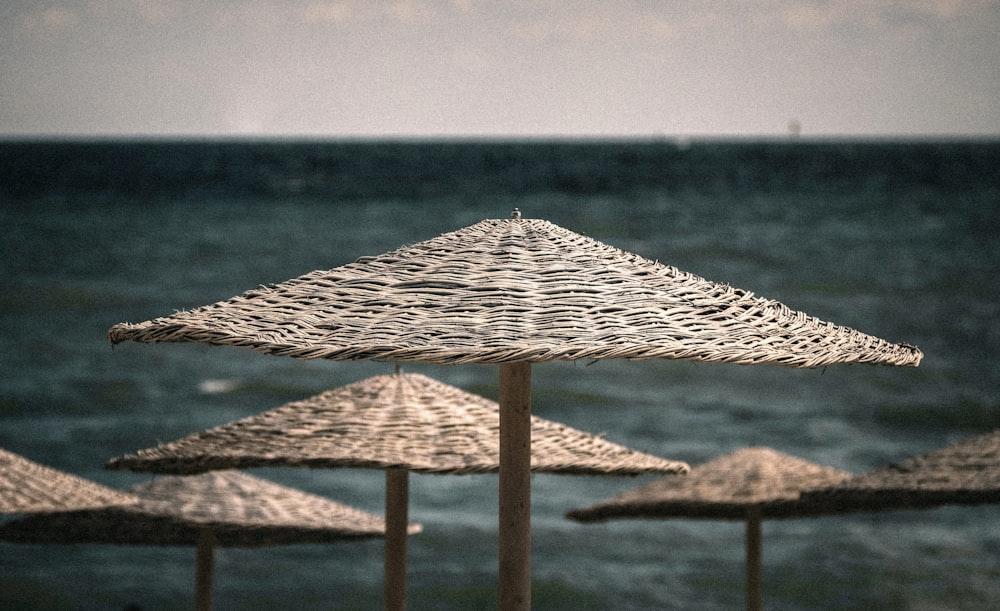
[407, 421]
[516, 290]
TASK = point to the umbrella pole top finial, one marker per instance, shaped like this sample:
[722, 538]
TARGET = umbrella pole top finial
[516, 214]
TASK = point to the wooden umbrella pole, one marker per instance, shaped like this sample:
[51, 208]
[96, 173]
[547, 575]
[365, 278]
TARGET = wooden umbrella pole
[205, 564]
[515, 487]
[397, 500]
[755, 571]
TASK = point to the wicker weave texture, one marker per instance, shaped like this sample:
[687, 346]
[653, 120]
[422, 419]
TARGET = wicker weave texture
[515, 290]
[28, 487]
[239, 509]
[399, 420]
[965, 473]
[724, 488]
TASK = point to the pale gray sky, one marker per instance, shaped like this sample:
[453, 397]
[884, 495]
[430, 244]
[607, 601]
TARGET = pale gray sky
[359, 68]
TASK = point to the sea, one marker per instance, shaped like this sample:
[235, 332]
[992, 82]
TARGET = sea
[893, 237]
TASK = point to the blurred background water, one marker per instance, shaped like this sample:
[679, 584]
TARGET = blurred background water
[894, 238]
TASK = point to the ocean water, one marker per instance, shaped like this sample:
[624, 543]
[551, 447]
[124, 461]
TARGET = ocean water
[894, 238]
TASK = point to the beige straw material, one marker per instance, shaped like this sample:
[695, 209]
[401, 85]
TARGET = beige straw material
[28, 487]
[407, 421]
[966, 473]
[516, 290]
[724, 488]
[239, 509]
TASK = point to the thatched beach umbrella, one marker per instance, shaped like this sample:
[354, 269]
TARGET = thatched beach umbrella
[513, 292]
[966, 473]
[750, 484]
[225, 508]
[399, 423]
[29, 487]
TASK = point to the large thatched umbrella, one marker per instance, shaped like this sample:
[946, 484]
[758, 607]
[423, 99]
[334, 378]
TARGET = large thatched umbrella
[28, 487]
[749, 484]
[514, 292]
[966, 473]
[399, 423]
[225, 508]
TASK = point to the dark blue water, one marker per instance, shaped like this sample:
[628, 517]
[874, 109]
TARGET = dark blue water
[892, 238]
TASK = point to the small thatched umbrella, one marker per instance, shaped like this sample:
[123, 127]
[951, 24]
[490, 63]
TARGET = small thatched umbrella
[225, 508]
[28, 487]
[513, 292]
[966, 473]
[749, 484]
[399, 423]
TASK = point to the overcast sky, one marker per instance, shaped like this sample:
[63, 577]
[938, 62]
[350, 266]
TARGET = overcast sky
[360, 68]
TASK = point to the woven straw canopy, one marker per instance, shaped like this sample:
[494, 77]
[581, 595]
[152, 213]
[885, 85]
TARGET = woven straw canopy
[239, 509]
[28, 487]
[407, 421]
[966, 473]
[515, 290]
[724, 488]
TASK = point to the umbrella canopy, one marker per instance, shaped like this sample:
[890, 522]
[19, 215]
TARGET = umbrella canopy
[224, 508]
[749, 484]
[966, 473]
[396, 421]
[240, 510]
[515, 290]
[723, 489]
[28, 487]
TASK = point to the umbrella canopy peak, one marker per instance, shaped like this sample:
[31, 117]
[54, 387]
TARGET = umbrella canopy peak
[516, 290]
